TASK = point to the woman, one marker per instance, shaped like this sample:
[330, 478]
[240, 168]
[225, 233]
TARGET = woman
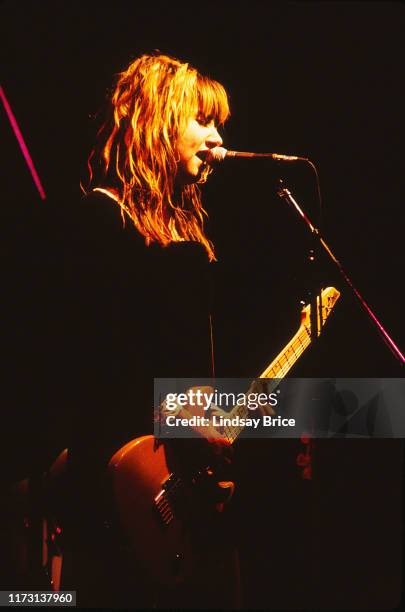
[138, 305]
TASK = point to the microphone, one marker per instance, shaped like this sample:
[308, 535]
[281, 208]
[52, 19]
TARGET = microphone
[219, 154]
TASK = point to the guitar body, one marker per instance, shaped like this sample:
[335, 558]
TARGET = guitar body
[159, 540]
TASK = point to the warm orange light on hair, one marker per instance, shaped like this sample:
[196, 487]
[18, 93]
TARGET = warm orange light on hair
[150, 107]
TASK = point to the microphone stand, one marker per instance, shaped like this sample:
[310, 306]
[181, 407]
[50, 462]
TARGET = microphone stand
[286, 195]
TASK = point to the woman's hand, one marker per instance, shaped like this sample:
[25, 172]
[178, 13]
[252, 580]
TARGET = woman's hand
[210, 447]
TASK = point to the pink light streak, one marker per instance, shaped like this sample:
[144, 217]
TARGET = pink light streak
[22, 144]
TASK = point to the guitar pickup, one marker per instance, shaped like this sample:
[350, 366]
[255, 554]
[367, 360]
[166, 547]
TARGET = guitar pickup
[164, 508]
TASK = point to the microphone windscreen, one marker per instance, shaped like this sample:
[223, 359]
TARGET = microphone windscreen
[217, 154]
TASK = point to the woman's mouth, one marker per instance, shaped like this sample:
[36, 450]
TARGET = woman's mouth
[202, 155]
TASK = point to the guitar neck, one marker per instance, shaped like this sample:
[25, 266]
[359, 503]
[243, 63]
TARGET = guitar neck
[278, 368]
[285, 360]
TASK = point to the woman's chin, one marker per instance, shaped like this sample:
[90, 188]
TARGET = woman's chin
[188, 178]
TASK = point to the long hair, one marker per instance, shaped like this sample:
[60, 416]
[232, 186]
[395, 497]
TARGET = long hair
[150, 106]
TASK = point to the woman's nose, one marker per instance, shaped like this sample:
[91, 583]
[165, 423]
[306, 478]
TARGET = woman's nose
[214, 139]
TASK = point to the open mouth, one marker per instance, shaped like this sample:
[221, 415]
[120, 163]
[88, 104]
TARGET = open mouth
[202, 155]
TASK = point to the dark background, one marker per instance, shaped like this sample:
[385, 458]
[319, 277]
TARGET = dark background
[322, 80]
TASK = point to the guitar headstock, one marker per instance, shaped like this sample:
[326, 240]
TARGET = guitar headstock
[327, 301]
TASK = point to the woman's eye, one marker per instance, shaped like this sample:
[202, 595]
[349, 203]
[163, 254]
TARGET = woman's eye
[204, 120]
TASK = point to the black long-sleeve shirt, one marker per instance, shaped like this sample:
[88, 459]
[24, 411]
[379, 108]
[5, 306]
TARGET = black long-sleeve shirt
[131, 313]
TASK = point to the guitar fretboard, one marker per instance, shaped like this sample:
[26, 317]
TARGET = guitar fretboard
[278, 368]
[284, 361]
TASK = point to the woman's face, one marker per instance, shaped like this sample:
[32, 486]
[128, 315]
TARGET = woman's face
[199, 136]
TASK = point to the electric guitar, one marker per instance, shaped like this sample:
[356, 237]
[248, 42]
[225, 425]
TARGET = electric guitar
[154, 504]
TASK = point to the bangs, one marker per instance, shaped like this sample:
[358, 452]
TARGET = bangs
[212, 100]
